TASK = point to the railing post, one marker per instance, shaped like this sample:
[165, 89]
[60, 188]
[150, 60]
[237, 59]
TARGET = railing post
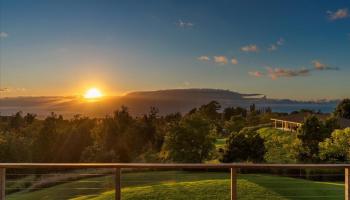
[347, 183]
[233, 184]
[118, 185]
[2, 183]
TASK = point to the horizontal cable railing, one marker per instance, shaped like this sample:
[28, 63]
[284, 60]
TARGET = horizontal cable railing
[117, 176]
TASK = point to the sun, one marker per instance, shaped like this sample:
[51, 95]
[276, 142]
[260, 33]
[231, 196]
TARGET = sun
[93, 93]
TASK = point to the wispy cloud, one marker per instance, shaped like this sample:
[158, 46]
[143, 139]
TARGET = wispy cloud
[4, 89]
[221, 60]
[321, 66]
[275, 73]
[234, 61]
[338, 14]
[275, 46]
[186, 83]
[3, 35]
[183, 24]
[256, 74]
[203, 58]
[11, 89]
[280, 42]
[281, 72]
[250, 48]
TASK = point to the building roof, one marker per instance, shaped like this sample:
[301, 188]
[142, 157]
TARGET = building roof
[299, 118]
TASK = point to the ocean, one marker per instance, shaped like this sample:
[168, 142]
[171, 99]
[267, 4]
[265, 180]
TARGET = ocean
[288, 108]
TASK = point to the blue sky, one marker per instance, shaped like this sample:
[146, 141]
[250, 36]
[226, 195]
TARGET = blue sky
[284, 49]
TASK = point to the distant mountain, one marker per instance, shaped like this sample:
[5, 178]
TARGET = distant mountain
[167, 101]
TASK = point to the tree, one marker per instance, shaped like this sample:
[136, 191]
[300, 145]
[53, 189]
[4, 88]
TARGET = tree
[280, 147]
[232, 111]
[150, 126]
[47, 139]
[16, 121]
[29, 118]
[312, 132]
[75, 139]
[245, 146]
[123, 138]
[189, 141]
[343, 109]
[14, 147]
[235, 124]
[252, 108]
[210, 110]
[113, 132]
[330, 125]
[337, 147]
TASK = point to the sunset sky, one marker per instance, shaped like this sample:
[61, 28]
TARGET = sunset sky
[285, 49]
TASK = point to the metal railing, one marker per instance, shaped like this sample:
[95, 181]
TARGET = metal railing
[118, 166]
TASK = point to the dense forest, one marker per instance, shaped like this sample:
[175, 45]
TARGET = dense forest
[190, 137]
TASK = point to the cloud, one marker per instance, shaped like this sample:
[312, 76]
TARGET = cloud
[3, 35]
[203, 58]
[223, 60]
[11, 89]
[256, 74]
[220, 59]
[274, 47]
[183, 24]
[250, 48]
[186, 83]
[339, 14]
[4, 89]
[275, 73]
[234, 61]
[321, 66]
[280, 42]
[278, 72]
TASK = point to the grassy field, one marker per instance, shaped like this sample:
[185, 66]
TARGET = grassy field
[178, 185]
[220, 143]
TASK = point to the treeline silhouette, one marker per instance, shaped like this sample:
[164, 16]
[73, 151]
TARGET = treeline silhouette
[189, 137]
[122, 137]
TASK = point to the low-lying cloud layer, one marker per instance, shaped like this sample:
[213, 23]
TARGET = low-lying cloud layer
[280, 72]
[11, 89]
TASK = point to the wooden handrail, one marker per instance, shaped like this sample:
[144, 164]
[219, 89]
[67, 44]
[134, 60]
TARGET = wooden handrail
[172, 166]
[118, 166]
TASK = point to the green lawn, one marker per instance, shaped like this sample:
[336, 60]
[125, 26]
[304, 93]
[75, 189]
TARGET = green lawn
[178, 185]
[220, 143]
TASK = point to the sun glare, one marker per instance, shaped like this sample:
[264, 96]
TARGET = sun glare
[93, 93]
